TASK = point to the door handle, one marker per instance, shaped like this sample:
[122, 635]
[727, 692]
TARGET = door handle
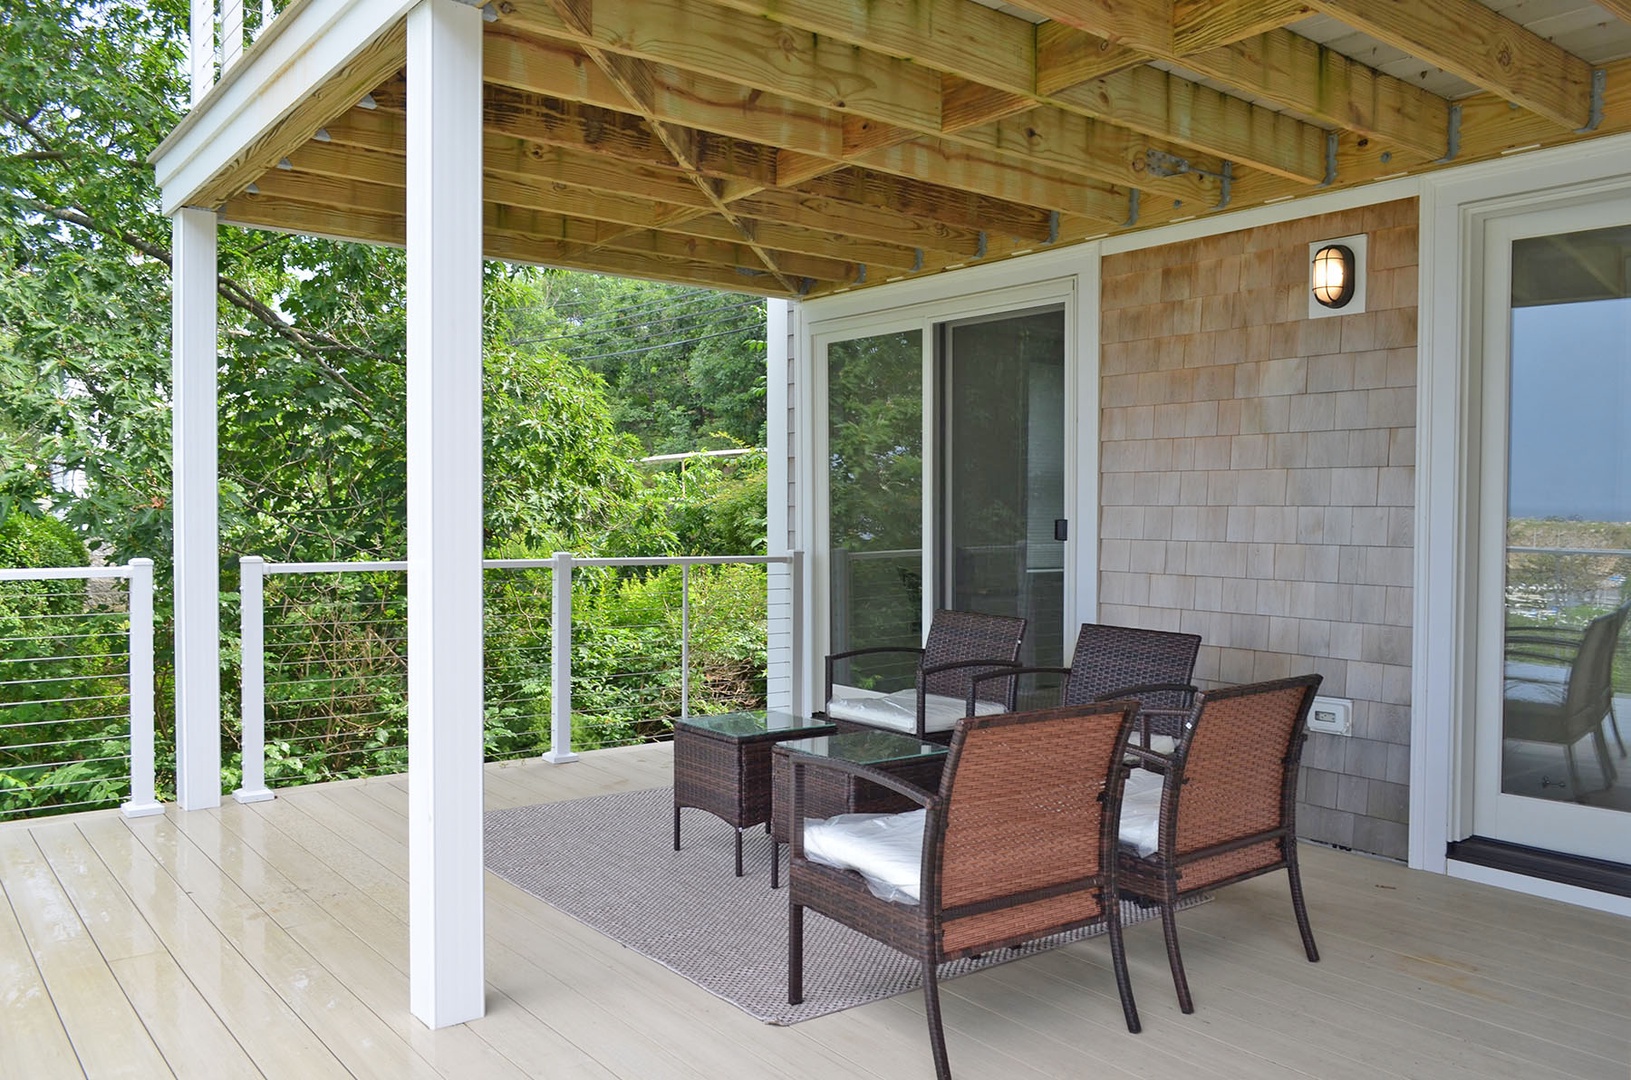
[1061, 529]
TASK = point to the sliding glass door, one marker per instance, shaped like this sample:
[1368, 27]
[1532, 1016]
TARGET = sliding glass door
[1002, 525]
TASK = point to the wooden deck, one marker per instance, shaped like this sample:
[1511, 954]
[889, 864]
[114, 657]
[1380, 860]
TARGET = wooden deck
[269, 940]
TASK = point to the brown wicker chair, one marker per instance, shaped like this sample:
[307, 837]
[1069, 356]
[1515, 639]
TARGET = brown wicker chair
[1019, 844]
[1563, 713]
[1153, 667]
[960, 645]
[1228, 805]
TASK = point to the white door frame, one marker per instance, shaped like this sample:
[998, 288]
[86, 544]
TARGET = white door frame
[1081, 425]
[1449, 441]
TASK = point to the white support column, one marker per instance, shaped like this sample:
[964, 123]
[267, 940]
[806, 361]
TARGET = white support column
[194, 502]
[252, 680]
[445, 920]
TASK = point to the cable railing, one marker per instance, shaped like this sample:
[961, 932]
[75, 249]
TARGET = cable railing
[580, 653]
[76, 690]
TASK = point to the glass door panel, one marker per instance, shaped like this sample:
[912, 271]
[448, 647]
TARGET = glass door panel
[1004, 486]
[875, 503]
[1557, 776]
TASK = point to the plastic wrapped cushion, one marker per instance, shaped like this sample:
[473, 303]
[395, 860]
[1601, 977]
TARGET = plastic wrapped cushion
[885, 849]
[1141, 811]
[898, 711]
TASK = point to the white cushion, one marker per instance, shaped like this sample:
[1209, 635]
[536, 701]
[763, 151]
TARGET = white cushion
[898, 711]
[1141, 811]
[885, 849]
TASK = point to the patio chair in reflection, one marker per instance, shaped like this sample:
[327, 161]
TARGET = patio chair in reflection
[1545, 654]
[960, 645]
[1563, 713]
[1152, 667]
[1017, 844]
[1226, 809]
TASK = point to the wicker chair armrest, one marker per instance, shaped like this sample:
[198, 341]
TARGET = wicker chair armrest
[1150, 688]
[953, 665]
[847, 653]
[1010, 673]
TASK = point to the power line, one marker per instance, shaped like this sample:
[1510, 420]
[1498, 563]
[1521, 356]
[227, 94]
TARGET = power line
[627, 323]
[664, 345]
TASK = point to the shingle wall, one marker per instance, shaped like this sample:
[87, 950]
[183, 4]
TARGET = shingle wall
[1258, 485]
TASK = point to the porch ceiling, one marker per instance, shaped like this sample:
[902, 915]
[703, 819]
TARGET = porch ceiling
[799, 147]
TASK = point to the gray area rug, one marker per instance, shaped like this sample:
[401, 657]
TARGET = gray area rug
[609, 862]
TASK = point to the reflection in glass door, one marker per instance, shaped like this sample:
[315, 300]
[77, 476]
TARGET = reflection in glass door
[1004, 452]
[875, 503]
[1565, 672]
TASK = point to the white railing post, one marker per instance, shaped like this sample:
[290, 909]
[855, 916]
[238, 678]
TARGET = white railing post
[560, 680]
[143, 801]
[685, 641]
[802, 676]
[232, 32]
[252, 669]
[201, 49]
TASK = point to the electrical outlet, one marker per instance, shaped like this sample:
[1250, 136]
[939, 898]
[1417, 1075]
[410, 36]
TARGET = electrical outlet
[1334, 716]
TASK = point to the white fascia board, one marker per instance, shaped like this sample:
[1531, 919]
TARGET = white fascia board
[304, 47]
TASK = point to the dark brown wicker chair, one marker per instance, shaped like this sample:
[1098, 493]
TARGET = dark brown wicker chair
[1153, 667]
[960, 645]
[1019, 844]
[1228, 805]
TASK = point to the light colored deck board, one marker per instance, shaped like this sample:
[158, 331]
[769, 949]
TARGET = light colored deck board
[109, 1038]
[192, 1038]
[36, 1043]
[1423, 976]
[365, 1045]
[276, 1040]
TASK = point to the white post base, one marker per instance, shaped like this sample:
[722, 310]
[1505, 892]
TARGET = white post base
[558, 758]
[245, 795]
[146, 809]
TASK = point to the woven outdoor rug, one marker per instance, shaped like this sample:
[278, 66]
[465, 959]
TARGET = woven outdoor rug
[609, 862]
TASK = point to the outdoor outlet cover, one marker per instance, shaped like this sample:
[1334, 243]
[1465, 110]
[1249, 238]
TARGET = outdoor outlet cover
[1334, 716]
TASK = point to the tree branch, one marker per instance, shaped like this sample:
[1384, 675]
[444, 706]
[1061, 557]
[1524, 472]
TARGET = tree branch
[311, 344]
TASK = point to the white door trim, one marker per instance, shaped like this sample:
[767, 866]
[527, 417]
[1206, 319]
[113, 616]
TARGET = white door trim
[1449, 428]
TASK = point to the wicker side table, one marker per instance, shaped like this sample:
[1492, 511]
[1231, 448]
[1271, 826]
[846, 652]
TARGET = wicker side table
[827, 793]
[722, 765]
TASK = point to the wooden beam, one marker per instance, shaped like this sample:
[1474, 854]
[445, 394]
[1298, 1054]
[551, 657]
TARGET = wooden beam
[1467, 39]
[1295, 72]
[1620, 9]
[650, 267]
[1066, 57]
[935, 203]
[634, 77]
[1167, 107]
[853, 219]
[733, 48]
[966, 104]
[755, 51]
[1117, 155]
[1001, 178]
[1199, 25]
[1144, 25]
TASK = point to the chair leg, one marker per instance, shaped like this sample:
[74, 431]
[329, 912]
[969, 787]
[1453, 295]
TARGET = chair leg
[775, 864]
[1574, 772]
[1169, 930]
[937, 1031]
[1614, 722]
[738, 852]
[1298, 905]
[1605, 763]
[795, 954]
[676, 828]
[1118, 959]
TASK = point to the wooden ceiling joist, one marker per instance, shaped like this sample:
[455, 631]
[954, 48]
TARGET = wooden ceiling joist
[1201, 25]
[798, 147]
[1467, 39]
